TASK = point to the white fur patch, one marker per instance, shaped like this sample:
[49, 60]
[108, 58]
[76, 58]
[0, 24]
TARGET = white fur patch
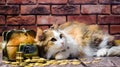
[62, 55]
[104, 42]
[89, 51]
[74, 48]
[102, 52]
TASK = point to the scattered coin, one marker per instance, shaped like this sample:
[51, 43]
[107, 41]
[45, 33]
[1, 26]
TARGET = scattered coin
[6, 62]
[27, 60]
[75, 63]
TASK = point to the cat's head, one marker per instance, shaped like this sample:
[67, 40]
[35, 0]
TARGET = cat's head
[51, 39]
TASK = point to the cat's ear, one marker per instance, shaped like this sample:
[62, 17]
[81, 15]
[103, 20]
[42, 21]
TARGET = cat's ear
[93, 27]
[54, 26]
[39, 35]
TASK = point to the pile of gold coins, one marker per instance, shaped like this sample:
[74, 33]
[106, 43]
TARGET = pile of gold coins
[36, 61]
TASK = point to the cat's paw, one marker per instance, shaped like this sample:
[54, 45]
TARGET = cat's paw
[61, 56]
[114, 51]
[102, 52]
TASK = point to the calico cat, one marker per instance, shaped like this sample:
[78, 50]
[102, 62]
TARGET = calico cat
[74, 39]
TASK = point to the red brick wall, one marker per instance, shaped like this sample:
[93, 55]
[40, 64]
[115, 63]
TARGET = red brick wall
[18, 14]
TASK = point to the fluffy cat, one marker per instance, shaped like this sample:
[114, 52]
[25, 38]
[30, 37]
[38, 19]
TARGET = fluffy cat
[74, 39]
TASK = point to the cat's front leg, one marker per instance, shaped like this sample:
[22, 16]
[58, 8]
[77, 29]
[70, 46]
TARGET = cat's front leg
[102, 52]
[114, 51]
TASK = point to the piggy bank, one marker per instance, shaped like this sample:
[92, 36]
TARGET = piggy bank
[18, 40]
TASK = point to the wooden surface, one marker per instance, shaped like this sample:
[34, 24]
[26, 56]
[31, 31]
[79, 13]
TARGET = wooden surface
[87, 62]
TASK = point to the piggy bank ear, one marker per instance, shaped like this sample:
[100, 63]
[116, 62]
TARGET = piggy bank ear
[39, 35]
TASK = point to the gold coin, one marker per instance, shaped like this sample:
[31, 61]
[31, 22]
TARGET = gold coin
[28, 60]
[42, 65]
[34, 60]
[50, 61]
[64, 63]
[6, 62]
[31, 64]
[28, 66]
[19, 57]
[59, 61]
[37, 64]
[14, 63]
[35, 57]
[54, 63]
[46, 64]
[87, 62]
[23, 64]
[41, 60]
[75, 63]
[75, 60]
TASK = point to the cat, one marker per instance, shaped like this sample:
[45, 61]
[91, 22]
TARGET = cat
[74, 39]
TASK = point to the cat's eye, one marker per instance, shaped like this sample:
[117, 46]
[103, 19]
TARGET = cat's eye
[98, 40]
[61, 35]
[53, 39]
[111, 43]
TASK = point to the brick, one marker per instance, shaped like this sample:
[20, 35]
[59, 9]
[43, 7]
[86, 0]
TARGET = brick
[83, 1]
[43, 27]
[104, 1]
[2, 19]
[109, 19]
[21, 20]
[115, 29]
[104, 28]
[109, 1]
[116, 9]
[50, 19]
[35, 9]
[9, 9]
[95, 9]
[29, 27]
[4, 28]
[117, 37]
[65, 9]
[52, 1]
[88, 19]
[58, 1]
[34, 27]
[21, 1]
[44, 1]
[2, 1]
